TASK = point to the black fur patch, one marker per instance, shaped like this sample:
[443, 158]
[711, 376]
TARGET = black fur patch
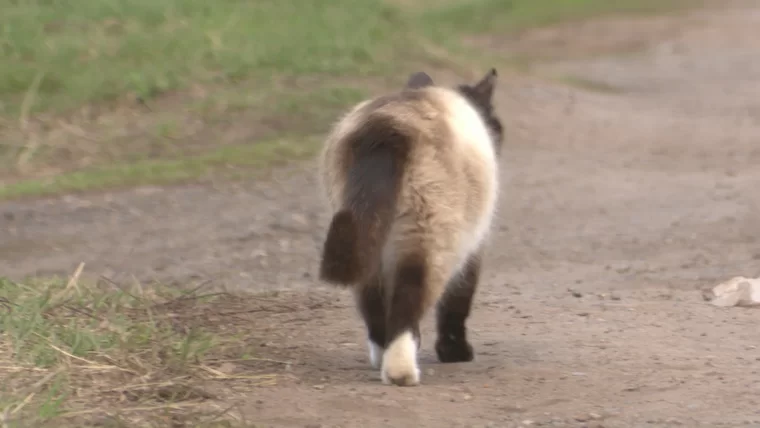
[419, 80]
[408, 298]
[371, 302]
[453, 310]
[376, 157]
[340, 262]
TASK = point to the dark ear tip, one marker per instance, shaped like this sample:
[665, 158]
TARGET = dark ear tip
[419, 79]
[493, 72]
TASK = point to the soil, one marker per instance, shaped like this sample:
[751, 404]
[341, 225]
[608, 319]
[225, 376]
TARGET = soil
[618, 207]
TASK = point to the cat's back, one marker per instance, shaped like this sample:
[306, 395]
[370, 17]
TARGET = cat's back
[452, 180]
[468, 130]
[412, 111]
[438, 118]
[409, 112]
[449, 145]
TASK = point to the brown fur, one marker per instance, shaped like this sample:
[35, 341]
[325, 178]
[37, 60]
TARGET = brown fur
[403, 190]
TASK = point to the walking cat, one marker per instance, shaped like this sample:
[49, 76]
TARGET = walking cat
[412, 182]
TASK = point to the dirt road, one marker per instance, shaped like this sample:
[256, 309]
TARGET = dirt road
[634, 197]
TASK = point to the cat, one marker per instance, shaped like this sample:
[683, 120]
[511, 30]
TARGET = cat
[412, 182]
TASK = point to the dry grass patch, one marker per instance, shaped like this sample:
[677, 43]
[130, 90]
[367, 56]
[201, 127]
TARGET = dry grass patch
[108, 354]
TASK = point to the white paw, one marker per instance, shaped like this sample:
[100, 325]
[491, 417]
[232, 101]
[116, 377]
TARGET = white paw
[400, 362]
[375, 354]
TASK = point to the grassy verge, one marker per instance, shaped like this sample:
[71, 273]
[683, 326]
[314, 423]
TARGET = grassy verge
[72, 53]
[496, 16]
[106, 354]
[93, 87]
[228, 162]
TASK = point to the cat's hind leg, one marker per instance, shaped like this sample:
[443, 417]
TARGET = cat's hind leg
[453, 310]
[370, 299]
[416, 285]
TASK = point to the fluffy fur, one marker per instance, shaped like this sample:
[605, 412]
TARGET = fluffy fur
[411, 179]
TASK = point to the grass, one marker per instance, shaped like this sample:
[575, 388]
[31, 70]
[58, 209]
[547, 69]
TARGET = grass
[77, 354]
[92, 87]
[98, 50]
[227, 162]
[488, 16]
[589, 84]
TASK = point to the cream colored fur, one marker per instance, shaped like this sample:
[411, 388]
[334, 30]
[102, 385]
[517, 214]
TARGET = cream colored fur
[400, 362]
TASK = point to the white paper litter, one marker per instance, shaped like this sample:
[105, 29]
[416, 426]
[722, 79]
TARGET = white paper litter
[738, 291]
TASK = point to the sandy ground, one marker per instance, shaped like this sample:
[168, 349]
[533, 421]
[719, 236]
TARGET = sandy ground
[618, 207]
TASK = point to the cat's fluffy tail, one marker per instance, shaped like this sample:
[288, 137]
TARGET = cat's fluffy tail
[378, 154]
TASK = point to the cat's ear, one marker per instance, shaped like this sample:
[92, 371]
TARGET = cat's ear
[484, 89]
[419, 80]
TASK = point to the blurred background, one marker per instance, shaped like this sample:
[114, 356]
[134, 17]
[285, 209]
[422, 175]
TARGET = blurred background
[120, 92]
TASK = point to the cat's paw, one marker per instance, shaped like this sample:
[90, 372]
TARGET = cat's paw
[454, 351]
[400, 362]
[408, 376]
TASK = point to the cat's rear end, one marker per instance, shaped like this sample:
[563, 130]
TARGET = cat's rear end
[412, 181]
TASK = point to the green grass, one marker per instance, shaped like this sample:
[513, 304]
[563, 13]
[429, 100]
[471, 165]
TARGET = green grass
[73, 354]
[93, 50]
[589, 84]
[228, 162]
[76, 75]
[485, 16]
